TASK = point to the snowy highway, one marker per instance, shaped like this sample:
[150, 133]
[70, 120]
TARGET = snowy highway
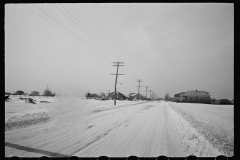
[79, 128]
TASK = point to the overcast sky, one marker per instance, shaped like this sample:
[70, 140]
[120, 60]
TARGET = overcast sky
[71, 47]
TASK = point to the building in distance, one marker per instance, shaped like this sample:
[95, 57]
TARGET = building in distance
[19, 92]
[193, 96]
[48, 92]
[34, 93]
[119, 96]
[135, 96]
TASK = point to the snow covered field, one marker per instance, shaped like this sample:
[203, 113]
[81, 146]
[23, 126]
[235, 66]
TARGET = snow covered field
[215, 122]
[71, 126]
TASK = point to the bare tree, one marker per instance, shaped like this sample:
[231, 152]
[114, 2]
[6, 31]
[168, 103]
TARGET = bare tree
[166, 97]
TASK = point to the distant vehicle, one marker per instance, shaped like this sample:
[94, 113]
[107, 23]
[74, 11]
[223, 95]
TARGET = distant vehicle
[225, 101]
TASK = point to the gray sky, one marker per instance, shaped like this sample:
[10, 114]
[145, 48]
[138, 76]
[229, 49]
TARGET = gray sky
[170, 47]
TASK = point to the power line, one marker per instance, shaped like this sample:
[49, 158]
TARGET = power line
[91, 34]
[50, 22]
[63, 26]
[56, 26]
[75, 36]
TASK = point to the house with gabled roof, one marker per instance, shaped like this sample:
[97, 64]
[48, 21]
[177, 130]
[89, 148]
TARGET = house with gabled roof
[119, 95]
[193, 96]
[135, 96]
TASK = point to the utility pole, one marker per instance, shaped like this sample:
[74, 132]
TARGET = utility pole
[139, 87]
[150, 94]
[116, 79]
[146, 91]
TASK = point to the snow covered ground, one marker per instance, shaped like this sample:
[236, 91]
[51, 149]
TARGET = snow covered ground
[91, 128]
[215, 122]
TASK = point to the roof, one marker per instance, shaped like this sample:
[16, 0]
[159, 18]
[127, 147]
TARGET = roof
[192, 93]
[116, 93]
[178, 95]
[134, 94]
[35, 92]
[198, 91]
[19, 91]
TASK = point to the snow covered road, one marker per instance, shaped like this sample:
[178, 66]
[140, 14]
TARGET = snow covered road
[79, 128]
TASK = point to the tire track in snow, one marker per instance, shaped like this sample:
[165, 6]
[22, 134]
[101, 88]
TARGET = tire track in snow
[145, 135]
[122, 131]
[113, 123]
[108, 121]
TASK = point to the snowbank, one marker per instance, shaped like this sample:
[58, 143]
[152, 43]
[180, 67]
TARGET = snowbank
[215, 122]
[16, 107]
[26, 120]
[193, 142]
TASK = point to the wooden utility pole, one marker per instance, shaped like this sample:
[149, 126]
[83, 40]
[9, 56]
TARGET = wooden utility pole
[150, 95]
[139, 86]
[116, 80]
[146, 91]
